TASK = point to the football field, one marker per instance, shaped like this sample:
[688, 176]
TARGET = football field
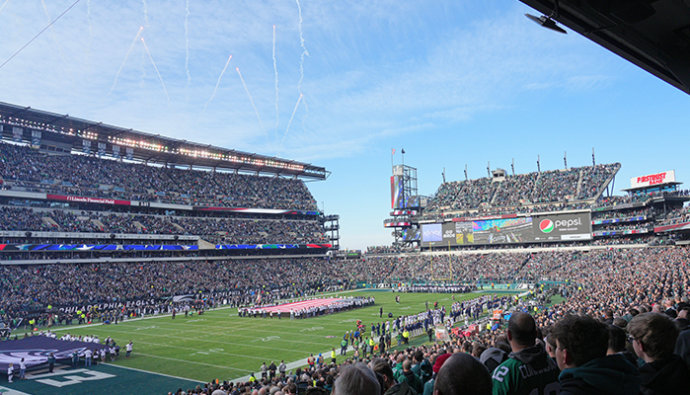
[219, 344]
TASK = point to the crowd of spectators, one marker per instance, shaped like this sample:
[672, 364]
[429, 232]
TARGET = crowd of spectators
[615, 286]
[636, 198]
[622, 214]
[621, 328]
[594, 179]
[31, 288]
[25, 287]
[22, 219]
[22, 167]
[676, 216]
[390, 249]
[522, 191]
[217, 230]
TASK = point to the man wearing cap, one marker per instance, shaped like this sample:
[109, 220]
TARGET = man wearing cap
[438, 363]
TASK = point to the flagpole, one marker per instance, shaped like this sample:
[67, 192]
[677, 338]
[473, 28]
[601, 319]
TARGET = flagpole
[392, 153]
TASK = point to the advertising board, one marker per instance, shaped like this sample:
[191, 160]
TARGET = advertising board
[528, 229]
[562, 227]
[653, 179]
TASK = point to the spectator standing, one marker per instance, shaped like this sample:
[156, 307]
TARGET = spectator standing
[87, 357]
[581, 346]
[264, 370]
[272, 370]
[528, 367]
[22, 369]
[654, 337]
[282, 368]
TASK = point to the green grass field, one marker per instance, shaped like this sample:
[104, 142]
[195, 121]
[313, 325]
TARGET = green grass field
[219, 344]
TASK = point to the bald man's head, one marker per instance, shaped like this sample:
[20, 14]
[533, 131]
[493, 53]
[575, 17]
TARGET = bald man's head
[462, 374]
[522, 329]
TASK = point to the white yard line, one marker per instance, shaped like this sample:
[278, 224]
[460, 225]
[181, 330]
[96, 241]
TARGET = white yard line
[214, 342]
[149, 372]
[192, 362]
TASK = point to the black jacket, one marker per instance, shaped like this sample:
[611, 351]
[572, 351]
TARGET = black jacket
[401, 389]
[667, 376]
[611, 375]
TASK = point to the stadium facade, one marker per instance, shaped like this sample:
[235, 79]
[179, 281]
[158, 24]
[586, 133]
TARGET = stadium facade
[73, 190]
[565, 207]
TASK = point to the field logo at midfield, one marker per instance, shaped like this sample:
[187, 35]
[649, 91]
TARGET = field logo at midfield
[312, 329]
[546, 226]
[266, 339]
[70, 377]
[143, 328]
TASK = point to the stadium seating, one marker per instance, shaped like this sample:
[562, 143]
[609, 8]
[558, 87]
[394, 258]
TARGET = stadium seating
[523, 192]
[28, 169]
[215, 230]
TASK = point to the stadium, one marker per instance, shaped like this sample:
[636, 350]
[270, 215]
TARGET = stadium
[135, 262]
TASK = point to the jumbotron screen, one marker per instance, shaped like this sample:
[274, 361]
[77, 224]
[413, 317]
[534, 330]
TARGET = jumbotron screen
[527, 229]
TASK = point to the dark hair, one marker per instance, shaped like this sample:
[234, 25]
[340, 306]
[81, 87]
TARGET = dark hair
[656, 332]
[382, 367]
[620, 322]
[617, 338]
[477, 348]
[523, 329]
[584, 337]
[463, 374]
[502, 343]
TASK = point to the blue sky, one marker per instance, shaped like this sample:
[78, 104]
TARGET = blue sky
[453, 82]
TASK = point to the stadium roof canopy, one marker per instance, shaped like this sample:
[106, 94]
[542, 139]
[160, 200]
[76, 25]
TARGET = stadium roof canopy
[653, 34]
[149, 147]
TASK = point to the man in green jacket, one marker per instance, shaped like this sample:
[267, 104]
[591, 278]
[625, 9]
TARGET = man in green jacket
[390, 385]
[528, 367]
[410, 378]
